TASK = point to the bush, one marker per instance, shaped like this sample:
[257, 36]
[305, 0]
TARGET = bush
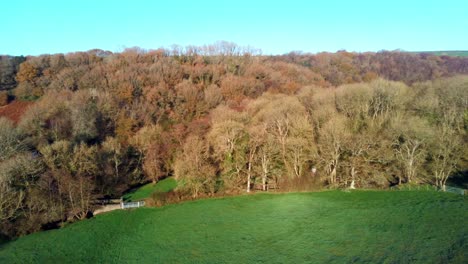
[299, 184]
[416, 187]
[159, 199]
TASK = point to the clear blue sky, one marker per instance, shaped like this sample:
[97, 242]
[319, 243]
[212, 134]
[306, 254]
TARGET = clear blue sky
[38, 27]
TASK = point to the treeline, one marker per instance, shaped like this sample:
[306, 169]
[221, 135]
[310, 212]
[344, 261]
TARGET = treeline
[223, 119]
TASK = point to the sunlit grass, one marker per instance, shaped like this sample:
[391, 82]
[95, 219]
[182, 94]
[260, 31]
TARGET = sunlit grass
[145, 191]
[323, 227]
[454, 53]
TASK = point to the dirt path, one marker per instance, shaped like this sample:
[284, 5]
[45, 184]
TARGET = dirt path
[106, 208]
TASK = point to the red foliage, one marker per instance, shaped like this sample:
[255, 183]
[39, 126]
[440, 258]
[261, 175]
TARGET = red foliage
[15, 110]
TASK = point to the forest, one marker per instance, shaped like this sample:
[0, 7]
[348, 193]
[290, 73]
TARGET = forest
[222, 119]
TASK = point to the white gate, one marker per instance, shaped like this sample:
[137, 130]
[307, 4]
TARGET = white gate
[132, 204]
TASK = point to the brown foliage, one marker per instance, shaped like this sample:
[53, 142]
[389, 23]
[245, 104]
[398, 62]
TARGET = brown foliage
[4, 98]
[15, 110]
[124, 127]
[225, 119]
[27, 72]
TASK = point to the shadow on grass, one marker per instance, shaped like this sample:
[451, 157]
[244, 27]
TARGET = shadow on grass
[3, 240]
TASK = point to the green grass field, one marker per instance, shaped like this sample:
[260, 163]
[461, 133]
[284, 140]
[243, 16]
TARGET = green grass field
[454, 53]
[322, 227]
[145, 191]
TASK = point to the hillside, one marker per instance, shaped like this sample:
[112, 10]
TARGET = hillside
[336, 227]
[15, 110]
[453, 53]
[221, 119]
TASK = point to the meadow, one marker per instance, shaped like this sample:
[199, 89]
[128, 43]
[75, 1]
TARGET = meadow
[330, 226]
[453, 53]
[148, 189]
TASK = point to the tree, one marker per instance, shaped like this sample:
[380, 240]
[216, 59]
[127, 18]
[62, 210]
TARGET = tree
[188, 100]
[4, 98]
[17, 175]
[212, 96]
[114, 150]
[83, 115]
[447, 146]
[357, 158]
[124, 127]
[193, 167]
[11, 140]
[11, 200]
[9, 66]
[229, 138]
[253, 145]
[156, 147]
[83, 169]
[27, 72]
[56, 156]
[333, 137]
[300, 145]
[410, 143]
[268, 151]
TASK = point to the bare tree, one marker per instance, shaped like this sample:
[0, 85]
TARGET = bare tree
[193, 167]
[17, 174]
[445, 152]
[410, 140]
[115, 150]
[11, 142]
[11, 199]
[332, 140]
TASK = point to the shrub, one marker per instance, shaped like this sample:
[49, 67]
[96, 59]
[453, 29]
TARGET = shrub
[159, 199]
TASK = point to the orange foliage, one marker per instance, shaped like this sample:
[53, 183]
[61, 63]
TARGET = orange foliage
[27, 72]
[15, 110]
[124, 128]
[3, 98]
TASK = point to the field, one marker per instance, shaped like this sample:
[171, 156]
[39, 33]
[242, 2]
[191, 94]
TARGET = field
[332, 226]
[145, 191]
[453, 53]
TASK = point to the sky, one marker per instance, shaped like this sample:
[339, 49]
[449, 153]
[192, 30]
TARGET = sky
[275, 26]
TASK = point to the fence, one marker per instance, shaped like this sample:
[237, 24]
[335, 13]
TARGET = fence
[426, 187]
[132, 204]
[414, 187]
[454, 190]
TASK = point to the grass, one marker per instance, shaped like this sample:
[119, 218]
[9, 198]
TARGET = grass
[454, 53]
[145, 191]
[322, 227]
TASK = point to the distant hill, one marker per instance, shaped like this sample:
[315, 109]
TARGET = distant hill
[452, 53]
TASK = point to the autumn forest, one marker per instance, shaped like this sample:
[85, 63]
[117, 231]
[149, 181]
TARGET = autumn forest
[222, 120]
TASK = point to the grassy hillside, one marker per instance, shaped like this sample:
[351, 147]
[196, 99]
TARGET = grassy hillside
[453, 53]
[145, 191]
[336, 227]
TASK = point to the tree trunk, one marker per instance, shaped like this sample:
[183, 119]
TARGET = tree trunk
[265, 171]
[353, 174]
[249, 176]
[116, 167]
